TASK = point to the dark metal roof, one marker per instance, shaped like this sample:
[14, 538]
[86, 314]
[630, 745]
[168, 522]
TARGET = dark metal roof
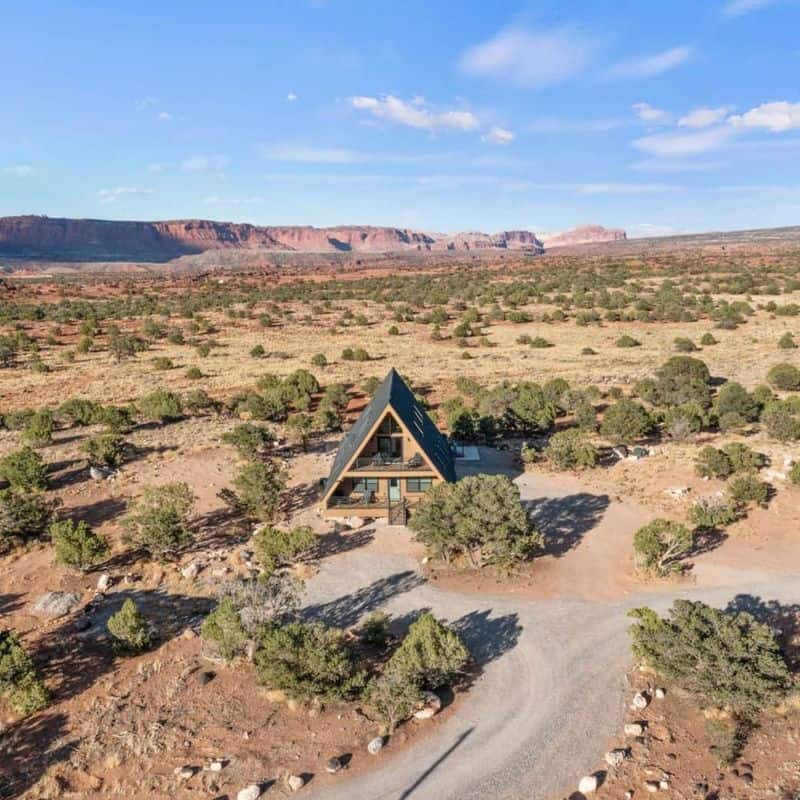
[394, 393]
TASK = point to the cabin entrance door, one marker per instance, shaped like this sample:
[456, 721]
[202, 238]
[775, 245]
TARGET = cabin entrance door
[394, 490]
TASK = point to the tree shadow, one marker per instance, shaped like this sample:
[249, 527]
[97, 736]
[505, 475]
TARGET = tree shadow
[783, 617]
[64, 473]
[488, 638]
[302, 496]
[347, 610]
[331, 544]
[436, 764]
[10, 602]
[564, 521]
[707, 540]
[95, 514]
[218, 528]
[30, 747]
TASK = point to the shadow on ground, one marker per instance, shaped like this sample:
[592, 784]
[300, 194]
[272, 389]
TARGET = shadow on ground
[564, 521]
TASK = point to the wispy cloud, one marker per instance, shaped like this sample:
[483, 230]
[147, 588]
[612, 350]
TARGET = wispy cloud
[531, 58]
[651, 115]
[777, 117]
[671, 165]
[646, 230]
[291, 97]
[415, 113]
[145, 103]
[165, 116]
[205, 163]
[157, 167]
[703, 117]
[312, 154]
[497, 135]
[679, 144]
[559, 125]
[19, 170]
[652, 65]
[112, 195]
[738, 8]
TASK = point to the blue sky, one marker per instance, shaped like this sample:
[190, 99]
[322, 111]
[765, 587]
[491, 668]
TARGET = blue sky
[653, 116]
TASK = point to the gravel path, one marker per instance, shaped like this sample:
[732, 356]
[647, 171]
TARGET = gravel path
[549, 700]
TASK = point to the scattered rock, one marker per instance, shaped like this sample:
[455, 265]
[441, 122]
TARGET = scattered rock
[588, 784]
[206, 677]
[104, 582]
[216, 764]
[185, 772]
[375, 745]
[651, 786]
[295, 782]
[628, 794]
[640, 701]
[251, 792]
[101, 473]
[191, 571]
[615, 757]
[663, 785]
[55, 604]
[431, 705]
[334, 765]
[661, 693]
[634, 729]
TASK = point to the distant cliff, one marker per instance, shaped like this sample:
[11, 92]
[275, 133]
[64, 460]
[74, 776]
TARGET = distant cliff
[583, 234]
[53, 239]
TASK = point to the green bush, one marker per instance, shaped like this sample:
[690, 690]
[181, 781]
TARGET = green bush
[782, 420]
[162, 363]
[586, 416]
[681, 379]
[742, 458]
[24, 515]
[24, 470]
[198, 400]
[159, 520]
[374, 630]
[39, 429]
[319, 360]
[392, 698]
[682, 421]
[78, 411]
[660, 545]
[733, 398]
[727, 659]
[129, 630]
[160, 406]
[747, 488]
[117, 419]
[19, 680]
[540, 343]
[259, 490]
[250, 440]
[712, 514]
[708, 340]
[306, 659]
[223, 627]
[627, 341]
[685, 345]
[258, 351]
[106, 449]
[625, 422]
[713, 463]
[76, 544]
[570, 449]
[787, 342]
[194, 374]
[276, 548]
[785, 377]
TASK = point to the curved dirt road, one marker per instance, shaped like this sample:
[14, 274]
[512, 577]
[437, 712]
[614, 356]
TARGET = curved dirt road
[551, 695]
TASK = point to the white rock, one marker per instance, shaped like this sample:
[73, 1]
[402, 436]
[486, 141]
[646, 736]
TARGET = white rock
[588, 784]
[661, 693]
[295, 782]
[55, 604]
[634, 729]
[375, 746]
[104, 582]
[640, 701]
[251, 792]
[663, 785]
[615, 757]
[184, 773]
[651, 786]
[216, 765]
[431, 705]
[191, 571]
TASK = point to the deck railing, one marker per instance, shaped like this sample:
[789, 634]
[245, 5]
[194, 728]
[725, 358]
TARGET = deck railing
[391, 464]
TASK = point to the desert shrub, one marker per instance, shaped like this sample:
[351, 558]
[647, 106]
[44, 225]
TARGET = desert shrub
[117, 419]
[747, 488]
[392, 698]
[728, 737]
[540, 342]
[682, 421]
[713, 463]
[586, 416]
[306, 659]
[319, 360]
[129, 630]
[259, 488]
[251, 441]
[24, 469]
[76, 544]
[258, 351]
[106, 448]
[625, 422]
[19, 681]
[160, 406]
[431, 654]
[708, 340]
[194, 374]
[480, 517]
[794, 473]
[782, 420]
[627, 341]
[224, 628]
[198, 400]
[266, 600]
[529, 408]
[557, 392]
[162, 363]
[787, 342]
[733, 398]
[39, 428]
[685, 345]
[570, 449]
[785, 377]
[681, 379]
[77, 411]
[374, 630]
[275, 548]
[301, 426]
[588, 351]
[24, 515]
[661, 544]
[727, 659]
[743, 458]
[159, 520]
[710, 514]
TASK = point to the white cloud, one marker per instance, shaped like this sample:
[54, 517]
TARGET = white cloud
[675, 165]
[205, 163]
[531, 58]
[291, 97]
[415, 114]
[304, 154]
[112, 195]
[497, 135]
[777, 117]
[558, 125]
[703, 117]
[738, 8]
[625, 188]
[157, 168]
[646, 230]
[165, 116]
[681, 145]
[648, 113]
[650, 66]
[19, 170]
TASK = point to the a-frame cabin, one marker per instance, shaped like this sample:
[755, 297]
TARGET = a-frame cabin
[387, 461]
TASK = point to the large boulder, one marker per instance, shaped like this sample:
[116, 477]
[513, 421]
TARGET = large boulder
[251, 792]
[375, 745]
[295, 782]
[615, 757]
[588, 784]
[55, 604]
[430, 705]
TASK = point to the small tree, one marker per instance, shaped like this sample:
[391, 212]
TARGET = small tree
[106, 449]
[158, 521]
[268, 600]
[430, 656]
[39, 429]
[661, 544]
[787, 342]
[782, 420]
[301, 425]
[23, 516]
[747, 488]
[129, 630]
[160, 406]
[713, 463]
[393, 698]
[24, 470]
[19, 680]
[250, 440]
[260, 486]
[712, 514]
[306, 659]
[785, 377]
[275, 548]
[76, 544]
[570, 449]
[625, 422]
[224, 628]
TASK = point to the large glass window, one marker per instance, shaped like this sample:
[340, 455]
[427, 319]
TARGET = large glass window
[418, 484]
[361, 485]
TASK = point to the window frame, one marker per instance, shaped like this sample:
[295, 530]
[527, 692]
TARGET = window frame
[418, 481]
